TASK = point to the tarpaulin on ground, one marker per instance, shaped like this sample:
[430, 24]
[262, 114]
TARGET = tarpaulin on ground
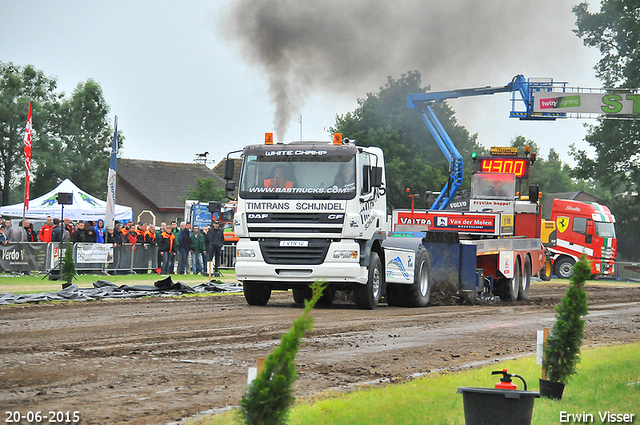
[103, 289]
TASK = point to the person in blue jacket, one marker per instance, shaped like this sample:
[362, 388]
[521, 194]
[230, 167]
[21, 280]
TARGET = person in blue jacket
[99, 230]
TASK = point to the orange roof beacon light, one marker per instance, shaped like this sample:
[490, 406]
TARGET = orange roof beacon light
[268, 138]
[527, 150]
[337, 138]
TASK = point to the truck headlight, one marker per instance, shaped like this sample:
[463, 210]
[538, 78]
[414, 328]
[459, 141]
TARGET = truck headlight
[245, 253]
[343, 253]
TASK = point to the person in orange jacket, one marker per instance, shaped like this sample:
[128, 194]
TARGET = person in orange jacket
[169, 250]
[150, 244]
[277, 179]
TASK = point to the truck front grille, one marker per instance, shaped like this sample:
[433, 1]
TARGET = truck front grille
[269, 225]
[312, 254]
[608, 253]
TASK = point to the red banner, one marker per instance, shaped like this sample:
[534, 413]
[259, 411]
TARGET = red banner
[27, 158]
[450, 221]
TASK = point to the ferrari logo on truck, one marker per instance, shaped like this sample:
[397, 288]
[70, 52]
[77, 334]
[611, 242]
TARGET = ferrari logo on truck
[563, 223]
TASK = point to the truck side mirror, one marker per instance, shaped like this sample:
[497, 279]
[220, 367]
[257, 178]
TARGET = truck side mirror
[376, 176]
[588, 238]
[534, 193]
[214, 207]
[229, 169]
[230, 186]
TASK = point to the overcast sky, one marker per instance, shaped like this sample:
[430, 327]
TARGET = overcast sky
[196, 76]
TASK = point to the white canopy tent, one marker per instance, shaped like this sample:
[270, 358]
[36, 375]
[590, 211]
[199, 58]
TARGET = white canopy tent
[84, 206]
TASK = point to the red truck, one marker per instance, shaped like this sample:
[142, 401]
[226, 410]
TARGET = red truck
[583, 228]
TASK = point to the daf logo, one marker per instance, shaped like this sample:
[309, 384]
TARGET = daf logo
[335, 216]
[258, 215]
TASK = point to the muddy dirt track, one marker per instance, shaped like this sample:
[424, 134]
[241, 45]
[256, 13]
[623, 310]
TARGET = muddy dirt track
[156, 360]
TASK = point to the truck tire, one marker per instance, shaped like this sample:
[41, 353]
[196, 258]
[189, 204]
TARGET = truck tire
[508, 289]
[303, 293]
[547, 271]
[525, 281]
[417, 294]
[564, 267]
[368, 296]
[328, 295]
[256, 293]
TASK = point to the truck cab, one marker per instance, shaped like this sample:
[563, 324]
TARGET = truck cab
[309, 211]
[583, 228]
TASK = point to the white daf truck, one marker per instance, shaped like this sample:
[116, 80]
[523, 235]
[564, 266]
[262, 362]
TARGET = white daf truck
[317, 211]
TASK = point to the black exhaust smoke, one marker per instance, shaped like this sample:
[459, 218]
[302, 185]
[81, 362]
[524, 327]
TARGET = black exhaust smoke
[347, 48]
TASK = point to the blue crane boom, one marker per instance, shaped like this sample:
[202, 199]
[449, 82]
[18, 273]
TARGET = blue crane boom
[422, 103]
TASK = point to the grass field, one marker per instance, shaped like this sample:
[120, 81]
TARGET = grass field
[608, 379]
[37, 284]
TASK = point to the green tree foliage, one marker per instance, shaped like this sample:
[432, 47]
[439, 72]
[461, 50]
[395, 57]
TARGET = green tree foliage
[615, 31]
[71, 135]
[562, 353]
[270, 396]
[551, 174]
[413, 159]
[18, 86]
[206, 190]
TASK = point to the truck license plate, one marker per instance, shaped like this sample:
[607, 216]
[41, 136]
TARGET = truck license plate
[294, 243]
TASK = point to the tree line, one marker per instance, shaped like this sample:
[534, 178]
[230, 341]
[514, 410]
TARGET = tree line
[72, 135]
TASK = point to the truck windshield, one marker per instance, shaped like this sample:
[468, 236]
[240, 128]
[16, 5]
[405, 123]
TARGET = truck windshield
[323, 176]
[226, 214]
[605, 230]
[493, 186]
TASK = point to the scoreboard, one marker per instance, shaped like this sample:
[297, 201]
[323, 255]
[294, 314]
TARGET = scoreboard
[514, 165]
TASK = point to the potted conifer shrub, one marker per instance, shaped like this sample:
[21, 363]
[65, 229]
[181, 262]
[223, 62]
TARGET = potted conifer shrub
[68, 266]
[562, 352]
[270, 396]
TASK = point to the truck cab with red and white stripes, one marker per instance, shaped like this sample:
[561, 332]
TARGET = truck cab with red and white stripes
[583, 228]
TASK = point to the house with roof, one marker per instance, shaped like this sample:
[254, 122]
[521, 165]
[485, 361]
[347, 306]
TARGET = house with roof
[237, 167]
[547, 200]
[156, 190]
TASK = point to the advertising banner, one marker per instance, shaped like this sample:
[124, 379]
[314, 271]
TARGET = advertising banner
[16, 257]
[441, 221]
[588, 103]
[94, 253]
[201, 215]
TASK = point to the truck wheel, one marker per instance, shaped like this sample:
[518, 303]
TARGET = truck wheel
[564, 268]
[256, 293]
[418, 293]
[509, 288]
[301, 293]
[328, 295]
[546, 271]
[525, 282]
[368, 296]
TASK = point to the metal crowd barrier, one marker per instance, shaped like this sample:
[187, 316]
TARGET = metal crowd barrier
[105, 258]
[21, 257]
[626, 271]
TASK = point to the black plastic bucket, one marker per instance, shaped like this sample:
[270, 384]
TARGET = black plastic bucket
[489, 406]
[550, 389]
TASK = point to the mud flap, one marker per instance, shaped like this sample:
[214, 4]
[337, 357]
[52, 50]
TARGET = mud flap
[453, 268]
[469, 287]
